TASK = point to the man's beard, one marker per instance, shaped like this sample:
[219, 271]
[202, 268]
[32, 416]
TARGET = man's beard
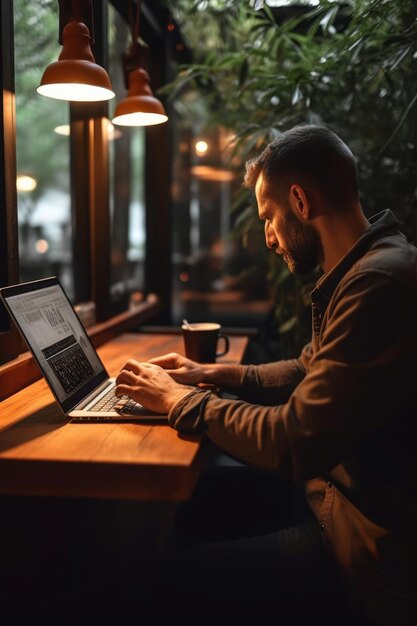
[304, 250]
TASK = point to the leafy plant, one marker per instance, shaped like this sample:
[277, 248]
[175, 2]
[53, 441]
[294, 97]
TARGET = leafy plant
[350, 65]
[36, 45]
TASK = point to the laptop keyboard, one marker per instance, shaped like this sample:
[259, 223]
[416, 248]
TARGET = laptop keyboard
[110, 400]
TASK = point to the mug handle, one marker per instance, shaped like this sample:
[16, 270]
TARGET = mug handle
[226, 345]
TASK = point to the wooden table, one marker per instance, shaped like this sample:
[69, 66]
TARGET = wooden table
[87, 509]
[42, 453]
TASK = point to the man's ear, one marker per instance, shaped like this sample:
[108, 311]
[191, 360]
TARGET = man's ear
[300, 201]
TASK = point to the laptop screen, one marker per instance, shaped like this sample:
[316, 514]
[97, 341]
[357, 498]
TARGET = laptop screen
[57, 339]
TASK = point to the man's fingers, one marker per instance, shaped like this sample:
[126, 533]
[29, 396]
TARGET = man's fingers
[122, 390]
[210, 386]
[135, 368]
[126, 376]
[166, 360]
[178, 373]
[132, 366]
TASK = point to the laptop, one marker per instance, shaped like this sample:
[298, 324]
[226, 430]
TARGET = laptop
[68, 360]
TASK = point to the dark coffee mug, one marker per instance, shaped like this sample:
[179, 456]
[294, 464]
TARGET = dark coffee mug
[200, 341]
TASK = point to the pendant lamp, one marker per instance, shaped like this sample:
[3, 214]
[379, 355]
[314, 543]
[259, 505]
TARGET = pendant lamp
[76, 76]
[140, 107]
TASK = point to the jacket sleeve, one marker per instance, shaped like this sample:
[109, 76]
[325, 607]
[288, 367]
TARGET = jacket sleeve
[272, 383]
[360, 373]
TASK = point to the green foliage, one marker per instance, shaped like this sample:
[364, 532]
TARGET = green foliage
[40, 152]
[350, 65]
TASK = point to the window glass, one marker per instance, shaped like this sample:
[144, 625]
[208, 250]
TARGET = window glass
[127, 179]
[217, 275]
[42, 145]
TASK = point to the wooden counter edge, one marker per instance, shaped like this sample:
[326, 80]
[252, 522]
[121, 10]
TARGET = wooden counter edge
[105, 481]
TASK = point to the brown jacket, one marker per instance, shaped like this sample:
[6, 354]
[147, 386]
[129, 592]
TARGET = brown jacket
[343, 418]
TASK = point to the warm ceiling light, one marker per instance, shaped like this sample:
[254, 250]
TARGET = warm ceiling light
[215, 174]
[41, 246]
[63, 129]
[140, 107]
[25, 183]
[201, 147]
[76, 76]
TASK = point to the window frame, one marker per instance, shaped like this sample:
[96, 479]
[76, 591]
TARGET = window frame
[10, 341]
[158, 156]
[89, 174]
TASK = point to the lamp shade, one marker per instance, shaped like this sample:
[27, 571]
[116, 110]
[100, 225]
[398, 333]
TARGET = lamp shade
[140, 107]
[76, 76]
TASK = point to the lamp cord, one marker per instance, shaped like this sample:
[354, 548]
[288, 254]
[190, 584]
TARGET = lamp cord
[134, 29]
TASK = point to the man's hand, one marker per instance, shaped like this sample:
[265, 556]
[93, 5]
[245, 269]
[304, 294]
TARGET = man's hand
[149, 385]
[205, 375]
[181, 369]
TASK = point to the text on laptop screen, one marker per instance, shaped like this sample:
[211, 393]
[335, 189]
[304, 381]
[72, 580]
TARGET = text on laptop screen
[57, 338]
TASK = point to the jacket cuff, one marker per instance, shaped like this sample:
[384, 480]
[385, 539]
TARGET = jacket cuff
[187, 416]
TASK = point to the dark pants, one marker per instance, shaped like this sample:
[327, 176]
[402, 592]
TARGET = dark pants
[245, 545]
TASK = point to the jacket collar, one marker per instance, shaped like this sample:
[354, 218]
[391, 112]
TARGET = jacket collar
[381, 224]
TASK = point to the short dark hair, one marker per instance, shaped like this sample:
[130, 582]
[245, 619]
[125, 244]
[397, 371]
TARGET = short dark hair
[312, 156]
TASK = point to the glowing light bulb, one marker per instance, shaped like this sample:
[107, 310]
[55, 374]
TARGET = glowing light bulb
[201, 147]
[25, 183]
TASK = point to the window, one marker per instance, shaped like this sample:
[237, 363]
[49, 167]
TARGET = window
[73, 200]
[214, 275]
[42, 150]
[127, 181]
[10, 344]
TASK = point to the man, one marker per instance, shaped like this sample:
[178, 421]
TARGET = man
[342, 418]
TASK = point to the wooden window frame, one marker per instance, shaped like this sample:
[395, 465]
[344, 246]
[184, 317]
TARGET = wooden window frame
[158, 158]
[10, 342]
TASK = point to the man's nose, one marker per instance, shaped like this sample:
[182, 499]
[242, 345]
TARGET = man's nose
[270, 239]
